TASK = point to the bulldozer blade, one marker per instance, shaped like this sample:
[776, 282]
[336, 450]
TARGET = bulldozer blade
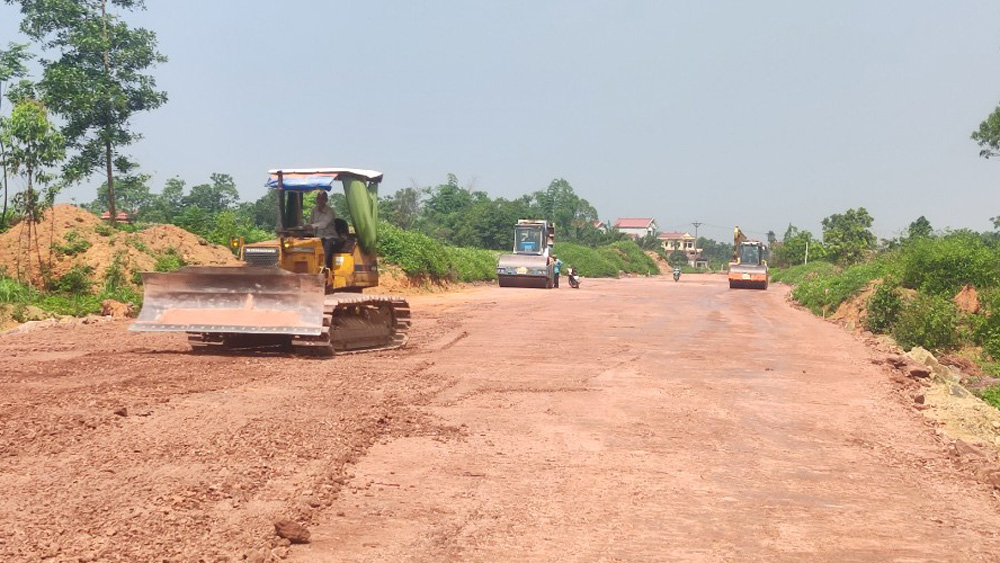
[242, 300]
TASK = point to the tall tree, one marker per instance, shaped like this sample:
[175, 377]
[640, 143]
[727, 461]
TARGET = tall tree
[33, 145]
[12, 66]
[988, 135]
[920, 228]
[98, 80]
[846, 236]
[220, 195]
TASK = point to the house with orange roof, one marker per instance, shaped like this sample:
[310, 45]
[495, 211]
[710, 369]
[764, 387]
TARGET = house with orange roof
[636, 227]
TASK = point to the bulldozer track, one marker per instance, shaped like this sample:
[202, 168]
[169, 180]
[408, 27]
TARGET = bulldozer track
[352, 324]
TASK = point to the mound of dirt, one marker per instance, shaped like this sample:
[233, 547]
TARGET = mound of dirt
[71, 238]
[660, 262]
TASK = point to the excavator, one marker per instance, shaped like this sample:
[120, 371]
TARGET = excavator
[288, 294]
[748, 268]
[531, 264]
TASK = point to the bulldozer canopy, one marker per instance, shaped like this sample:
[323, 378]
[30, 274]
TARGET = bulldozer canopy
[308, 179]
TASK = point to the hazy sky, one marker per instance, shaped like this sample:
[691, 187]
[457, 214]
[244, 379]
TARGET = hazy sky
[728, 112]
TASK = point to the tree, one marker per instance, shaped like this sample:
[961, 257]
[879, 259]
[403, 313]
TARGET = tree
[988, 135]
[921, 228]
[678, 259]
[402, 208]
[97, 82]
[220, 195]
[166, 205]
[132, 195]
[847, 237]
[33, 145]
[794, 245]
[12, 66]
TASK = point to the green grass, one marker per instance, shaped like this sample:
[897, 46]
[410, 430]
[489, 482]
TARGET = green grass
[991, 395]
[827, 289]
[798, 274]
[606, 261]
[422, 256]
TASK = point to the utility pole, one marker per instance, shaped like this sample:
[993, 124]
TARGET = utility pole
[696, 225]
[807, 252]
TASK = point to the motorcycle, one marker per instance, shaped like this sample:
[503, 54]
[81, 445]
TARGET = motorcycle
[574, 279]
[677, 274]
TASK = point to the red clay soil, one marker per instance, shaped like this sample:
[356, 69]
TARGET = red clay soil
[134, 251]
[629, 420]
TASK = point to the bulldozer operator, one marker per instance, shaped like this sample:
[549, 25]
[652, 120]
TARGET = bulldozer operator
[323, 220]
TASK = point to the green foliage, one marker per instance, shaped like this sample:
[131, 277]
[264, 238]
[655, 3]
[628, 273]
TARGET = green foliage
[677, 259]
[75, 244]
[986, 325]
[419, 255]
[991, 395]
[220, 195]
[132, 195]
[104, 230]
[416, 253]
[823, 293]
[988, 135]
[628, 257]
[795, 275]
[883, 308]
[943, 265]
[228, 224]
[606, 261]
[473, 264]
[76, 281]
[95, 82]
[920, 228]
[31, 145]
[136, 243]
[169, 261]
[847, 237]
[792, 248]
[928, 321]
[587, 261]
[13, 291]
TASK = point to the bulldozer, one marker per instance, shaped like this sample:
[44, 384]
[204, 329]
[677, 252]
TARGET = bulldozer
[289, 294]
[531, 264]
[748, 268]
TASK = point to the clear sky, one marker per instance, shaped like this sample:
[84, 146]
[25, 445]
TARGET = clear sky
[727, 112]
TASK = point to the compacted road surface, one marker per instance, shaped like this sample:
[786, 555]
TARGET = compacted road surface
[629, 420]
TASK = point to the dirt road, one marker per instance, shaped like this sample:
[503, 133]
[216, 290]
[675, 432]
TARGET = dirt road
[631, 420]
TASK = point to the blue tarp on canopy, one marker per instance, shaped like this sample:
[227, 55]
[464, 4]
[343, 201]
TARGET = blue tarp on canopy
[303, 183]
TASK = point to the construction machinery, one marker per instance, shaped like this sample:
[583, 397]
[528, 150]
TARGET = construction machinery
[531, 264]
[289, 294]
[748, 269]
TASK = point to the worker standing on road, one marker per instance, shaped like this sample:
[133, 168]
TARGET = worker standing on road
[322, 220]
[555, 270]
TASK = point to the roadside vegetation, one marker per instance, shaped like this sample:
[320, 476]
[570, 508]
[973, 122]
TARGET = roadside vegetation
[939, 291]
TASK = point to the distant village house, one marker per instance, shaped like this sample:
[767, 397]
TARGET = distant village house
[636, 227]
[684, 242]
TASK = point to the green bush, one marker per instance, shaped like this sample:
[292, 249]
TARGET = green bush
[928, 321]
[826, 291]
[75, 281]
[75, 244]
[13, 291]
[417, 254]
[169, 260]
[587, 261]
[473, 264]
[986, 325]
[943, 265]
[797, 274]
[883, 308]
[629, 258]
[991, 395]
